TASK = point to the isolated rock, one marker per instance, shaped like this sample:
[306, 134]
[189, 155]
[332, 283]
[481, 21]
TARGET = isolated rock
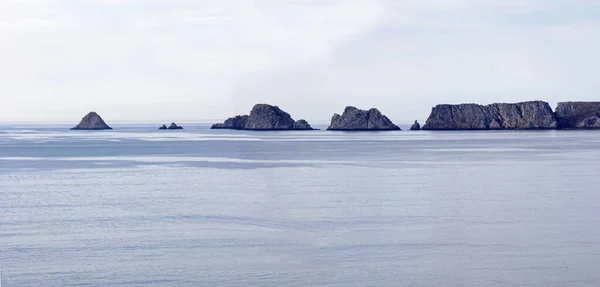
[578, 115]
[354, 119]
[416, 126]
[524, 115]
[264, 117]
[92, 121]
[163, 127]
[174, 126]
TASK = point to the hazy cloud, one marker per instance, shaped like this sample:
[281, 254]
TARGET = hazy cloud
[192, 60]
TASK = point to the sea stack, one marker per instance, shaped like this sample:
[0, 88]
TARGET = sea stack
[578, 115]
[92, 121]
[503, 116]
[264, 117]
[354, 119]
[416, 126]
[174, 126]
[163, 127]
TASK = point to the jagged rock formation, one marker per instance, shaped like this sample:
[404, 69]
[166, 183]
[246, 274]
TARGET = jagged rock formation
[524, 115]
[416, 126]
[174, 126]
[92, 121]
[354, 119]
[264, 117]
[578, 115]
[163, 127]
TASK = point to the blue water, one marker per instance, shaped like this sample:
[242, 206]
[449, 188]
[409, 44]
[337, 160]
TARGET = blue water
[141, 207]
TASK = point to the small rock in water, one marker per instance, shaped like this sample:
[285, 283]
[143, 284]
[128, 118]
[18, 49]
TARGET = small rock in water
[416, 126]
[163, 127]
[92, 121]
[174, 126]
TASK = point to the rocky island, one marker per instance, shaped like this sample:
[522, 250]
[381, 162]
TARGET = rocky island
[173, 126]
[92, 121]
[354, 119]
[578, 115]
[264, 117]
[513, 116]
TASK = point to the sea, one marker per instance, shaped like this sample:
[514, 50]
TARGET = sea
[140, 207]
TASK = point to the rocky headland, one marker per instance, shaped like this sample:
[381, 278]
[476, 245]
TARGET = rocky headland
[264, 117]
[92, 121]
[354, 119]
[501, 116]
[578, 115]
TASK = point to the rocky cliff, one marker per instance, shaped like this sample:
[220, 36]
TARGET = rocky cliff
[92, 121]
[354, 119]
[578, 115]
[264, 117]
[524, 115]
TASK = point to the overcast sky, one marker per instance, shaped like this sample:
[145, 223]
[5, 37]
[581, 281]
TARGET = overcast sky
[211, 59]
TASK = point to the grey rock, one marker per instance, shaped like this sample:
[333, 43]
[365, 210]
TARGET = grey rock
[416, 126]
[578, 115]
[235, 123]
[354, 119]
[264, 117]
[302, 125]
[174, 126]
[163, 127]
[92, 121]
[524, 115]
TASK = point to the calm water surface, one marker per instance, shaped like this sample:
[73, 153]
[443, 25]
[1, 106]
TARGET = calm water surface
[139, 207]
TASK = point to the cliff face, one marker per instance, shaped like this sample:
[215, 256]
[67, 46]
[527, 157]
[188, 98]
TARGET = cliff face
[92, 121]
[354, 119]
[264, 117]
[578, 115]
[524, 115]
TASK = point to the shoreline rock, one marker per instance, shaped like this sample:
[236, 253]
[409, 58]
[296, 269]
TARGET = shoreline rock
[264, 117]
[174, 126]
[92, 121]
[500, 116]
[354, 119]
[578, 115]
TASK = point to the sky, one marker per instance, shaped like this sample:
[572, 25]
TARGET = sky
[193, 60]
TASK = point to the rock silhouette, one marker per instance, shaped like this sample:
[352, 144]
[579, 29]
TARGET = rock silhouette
[92, 121]
[163, 127]
[354, 119]
[416, 126]
[524, 115]
[264, 117]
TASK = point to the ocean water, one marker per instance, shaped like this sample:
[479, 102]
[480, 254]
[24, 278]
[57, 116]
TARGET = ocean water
[141, 207]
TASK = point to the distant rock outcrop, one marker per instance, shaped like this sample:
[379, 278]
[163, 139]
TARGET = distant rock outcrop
[163, 127]
[354, 119]
[524, 115]
[264, 117]
[92, 121]
[578, 115]
[174, 126]
[416, 126]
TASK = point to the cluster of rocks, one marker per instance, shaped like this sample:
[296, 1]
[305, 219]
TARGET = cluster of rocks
[173, 126]
[501, 116]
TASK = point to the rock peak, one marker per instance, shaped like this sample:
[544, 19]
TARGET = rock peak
[354, 119]
[92, 121]
[264, 117]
